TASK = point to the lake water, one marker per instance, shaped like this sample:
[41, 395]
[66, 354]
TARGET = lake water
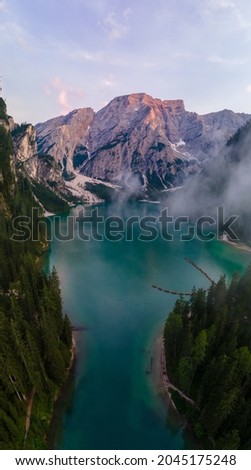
[106, 288]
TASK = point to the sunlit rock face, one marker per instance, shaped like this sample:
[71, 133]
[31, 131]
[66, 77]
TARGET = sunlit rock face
[66, 137]
[48, 171]
[159, 141]
[25, 143]
[137, 140]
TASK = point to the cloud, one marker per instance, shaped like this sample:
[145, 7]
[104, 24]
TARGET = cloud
[230, 9]
[221, 4]
[66, 96]
[216, 5]
[108, 82]
[11, 28]
[226, 61]
[249, 88]
[77, 53]
[3, 5]
[113, 27]
[80, 54]
[127, 13]
[12, 31]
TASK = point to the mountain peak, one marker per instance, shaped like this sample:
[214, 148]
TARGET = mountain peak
[137, 99]
[156, 140]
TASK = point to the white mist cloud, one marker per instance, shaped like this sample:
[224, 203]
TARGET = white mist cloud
[81, 54]
[227, 61]
[224, 182]
[106, 83]
[249, 88]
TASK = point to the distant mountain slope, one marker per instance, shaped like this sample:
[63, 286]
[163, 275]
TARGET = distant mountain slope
[137, 141]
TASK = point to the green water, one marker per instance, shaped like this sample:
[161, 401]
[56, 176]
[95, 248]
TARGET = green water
[106, 288]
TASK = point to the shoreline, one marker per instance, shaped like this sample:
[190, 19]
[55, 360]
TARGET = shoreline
[160, 382]
[73, 354]
[240, 246]
[59, 400]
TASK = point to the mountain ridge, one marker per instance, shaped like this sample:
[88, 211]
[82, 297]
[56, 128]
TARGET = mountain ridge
[157, 143]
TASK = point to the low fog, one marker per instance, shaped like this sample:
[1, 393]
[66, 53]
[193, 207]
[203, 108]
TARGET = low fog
[225, 181]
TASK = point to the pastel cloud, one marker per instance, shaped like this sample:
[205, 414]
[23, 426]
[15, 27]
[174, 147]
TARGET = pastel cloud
[65, 95]
[91, 51]
[113, 27]
[231, 9]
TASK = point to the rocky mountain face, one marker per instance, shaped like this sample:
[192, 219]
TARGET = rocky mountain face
[137, 142]
[48, 172]
[66, 137]
[25, 146]
[26, 153]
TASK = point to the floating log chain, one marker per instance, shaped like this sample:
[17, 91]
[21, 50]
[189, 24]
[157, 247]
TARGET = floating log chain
[171, 291]
[199, 269]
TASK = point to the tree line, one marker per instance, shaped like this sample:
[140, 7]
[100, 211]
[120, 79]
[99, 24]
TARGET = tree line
[35, 336]
[208, 355]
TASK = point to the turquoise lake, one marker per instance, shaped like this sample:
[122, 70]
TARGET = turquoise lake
[106, 290]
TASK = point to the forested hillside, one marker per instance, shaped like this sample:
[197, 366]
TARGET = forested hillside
[35, 337]
[208, 356]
